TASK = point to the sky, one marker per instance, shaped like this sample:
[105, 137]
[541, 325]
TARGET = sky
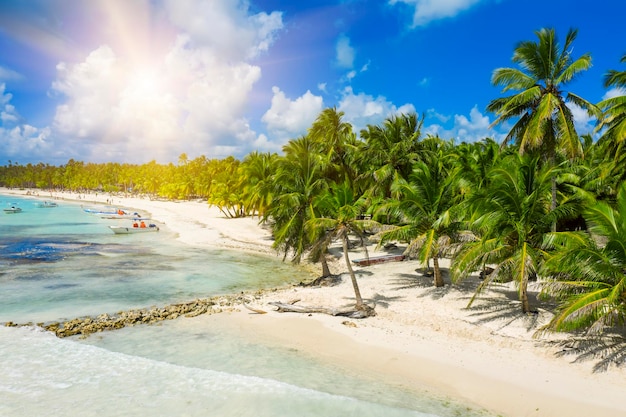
[133, 81]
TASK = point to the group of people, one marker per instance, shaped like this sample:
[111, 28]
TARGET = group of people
[142, 224]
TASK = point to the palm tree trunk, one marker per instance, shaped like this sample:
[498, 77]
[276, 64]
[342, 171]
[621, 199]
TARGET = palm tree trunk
[553, 184]
[437, 272]
[524, 295]
[325, 268]
[553, 201]
[355, 284]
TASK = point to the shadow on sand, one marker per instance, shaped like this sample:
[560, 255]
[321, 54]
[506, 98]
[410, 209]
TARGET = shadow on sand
[501, 304]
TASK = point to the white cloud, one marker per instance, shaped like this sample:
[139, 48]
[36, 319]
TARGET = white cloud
[614, 92]
[225, 26]
[441, 117]
[7, 74]
[8, 114]
[363, 109]
[476, 121]
[287, 119]
[465, 129]
[583, 123]
[190, 97]
[19, 140]
[427, 11]
[473, 129]
[345, 52]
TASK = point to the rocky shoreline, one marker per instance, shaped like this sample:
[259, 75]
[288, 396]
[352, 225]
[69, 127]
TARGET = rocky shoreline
[84, 326]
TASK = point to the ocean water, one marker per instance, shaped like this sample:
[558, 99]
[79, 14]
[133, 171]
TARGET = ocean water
[60, 263]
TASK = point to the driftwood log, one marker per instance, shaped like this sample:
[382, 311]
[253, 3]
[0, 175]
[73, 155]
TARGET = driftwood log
[353, 313]
[256, 310]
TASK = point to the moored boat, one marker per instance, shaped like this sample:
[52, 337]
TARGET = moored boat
[100, 211]
[125, 216]
[12, 210]
[127, 230]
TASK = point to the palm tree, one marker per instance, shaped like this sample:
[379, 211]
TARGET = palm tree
[298, 179]
[512, 219]
[340, 211]
[472, 162]
[543, 121]
[334, 138]
[390, 151]
[587, 273]
[614, 113]
[425, 204]
[258, 169]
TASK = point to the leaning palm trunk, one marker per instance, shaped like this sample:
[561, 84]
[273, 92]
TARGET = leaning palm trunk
[437, 272]
[355, 284]
[325, 268]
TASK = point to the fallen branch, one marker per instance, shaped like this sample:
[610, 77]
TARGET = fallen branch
[256, 310]
[354, 313]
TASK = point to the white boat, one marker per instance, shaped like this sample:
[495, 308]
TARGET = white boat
[12, 210]
[125, 216]
[127, 230]
[103, 211]
[47, 204]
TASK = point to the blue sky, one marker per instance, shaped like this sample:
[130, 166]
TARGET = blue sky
[141, 80]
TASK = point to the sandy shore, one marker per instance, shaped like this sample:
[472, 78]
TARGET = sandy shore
[422, 338]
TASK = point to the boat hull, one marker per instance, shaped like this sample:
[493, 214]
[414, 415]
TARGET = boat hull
[123, 230]
[124, 217]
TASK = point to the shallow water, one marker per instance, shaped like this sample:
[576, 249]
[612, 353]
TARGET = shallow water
[63, 263]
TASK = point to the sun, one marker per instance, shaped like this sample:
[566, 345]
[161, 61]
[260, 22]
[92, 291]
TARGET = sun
[144, 83]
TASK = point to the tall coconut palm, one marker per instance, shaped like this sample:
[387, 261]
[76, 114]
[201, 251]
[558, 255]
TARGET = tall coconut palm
[543, 121]
[298, 179]
[339, 219]
[587, 273]
[513, 218]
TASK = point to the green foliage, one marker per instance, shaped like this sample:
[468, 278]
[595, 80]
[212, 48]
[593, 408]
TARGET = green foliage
[512, 218]
[543, 121]
[339, 211]
[586, 272]
[425, 204]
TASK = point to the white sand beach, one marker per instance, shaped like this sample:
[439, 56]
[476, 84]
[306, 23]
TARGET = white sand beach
[422, 337]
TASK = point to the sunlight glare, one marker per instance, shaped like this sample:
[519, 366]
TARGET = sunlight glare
[144, 83]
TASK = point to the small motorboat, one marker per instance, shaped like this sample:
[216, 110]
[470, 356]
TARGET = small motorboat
[128, 230]
[12, 210]
[47, 204]
[107, 211]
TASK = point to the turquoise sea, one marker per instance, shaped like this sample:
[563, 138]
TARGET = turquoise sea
[60, 263]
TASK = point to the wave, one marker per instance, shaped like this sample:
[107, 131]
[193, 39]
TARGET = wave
[44, 375]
